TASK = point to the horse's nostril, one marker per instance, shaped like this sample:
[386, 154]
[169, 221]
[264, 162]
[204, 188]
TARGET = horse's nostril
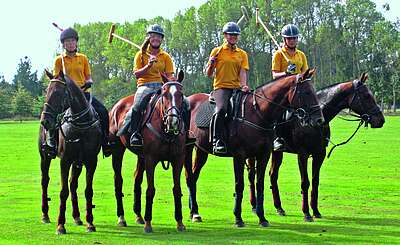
[320, 121]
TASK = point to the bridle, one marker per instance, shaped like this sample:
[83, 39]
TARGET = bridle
[171, 112]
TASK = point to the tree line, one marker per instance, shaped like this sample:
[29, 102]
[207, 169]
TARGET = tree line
[341, 39]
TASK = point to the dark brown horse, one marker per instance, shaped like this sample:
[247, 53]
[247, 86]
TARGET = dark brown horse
[78, 144]
[163, 140]
[251, 134]
[313, 141]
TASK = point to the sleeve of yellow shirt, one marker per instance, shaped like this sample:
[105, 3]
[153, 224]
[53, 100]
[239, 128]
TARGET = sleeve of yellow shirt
[277, 61]
[213, 52]
[138, 61]
[245, 61]
[57, 67]
[169, 65]
[86, 68]
[305, 64]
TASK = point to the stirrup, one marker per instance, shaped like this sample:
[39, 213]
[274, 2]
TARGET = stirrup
[50, 151]
[219, 147]
[136, 140]
[279, 144]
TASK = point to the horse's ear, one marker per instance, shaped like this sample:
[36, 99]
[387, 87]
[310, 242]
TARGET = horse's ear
[364, 77]
[181, 76]
[164, 77]
[48, 74]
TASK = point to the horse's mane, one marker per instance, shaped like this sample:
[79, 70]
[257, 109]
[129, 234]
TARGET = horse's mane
[273, 80]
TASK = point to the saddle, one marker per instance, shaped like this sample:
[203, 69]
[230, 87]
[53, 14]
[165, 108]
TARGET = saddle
[207, 109]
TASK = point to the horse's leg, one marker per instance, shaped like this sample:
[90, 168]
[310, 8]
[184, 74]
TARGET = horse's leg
[137, 191]
[117, 156]
[177, 191]
[150, 192]
[199, 161]
[44, 167]
[64, 167]
[305, 184]
[90, 169]
[262, 161]
[73, 186]
[238, 165]
[276, 163]
[318, 159]
[251, 176]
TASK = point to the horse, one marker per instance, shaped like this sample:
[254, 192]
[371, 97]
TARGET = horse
[313, 141]
[163, 140]
[79, 142]
[251, 134]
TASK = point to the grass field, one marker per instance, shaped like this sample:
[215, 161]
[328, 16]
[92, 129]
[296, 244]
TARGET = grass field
[359, 197]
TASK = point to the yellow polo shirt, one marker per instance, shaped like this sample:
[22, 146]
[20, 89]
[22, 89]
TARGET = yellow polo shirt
[280, 64]
[77, 67]
[164, 64]
[228, 65]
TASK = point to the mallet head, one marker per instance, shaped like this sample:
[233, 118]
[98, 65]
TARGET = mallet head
[111, 34]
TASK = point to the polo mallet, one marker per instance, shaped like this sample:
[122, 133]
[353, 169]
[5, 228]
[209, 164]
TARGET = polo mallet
[260, 22]
[62, 57]
[245, 15]
[111, 36]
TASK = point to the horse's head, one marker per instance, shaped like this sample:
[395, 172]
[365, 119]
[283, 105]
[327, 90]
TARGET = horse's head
[303, 99]
[363, 103]
[172, 104]
[55, 102]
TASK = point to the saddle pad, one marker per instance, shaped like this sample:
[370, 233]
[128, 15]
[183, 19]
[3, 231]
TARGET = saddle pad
[203, 117]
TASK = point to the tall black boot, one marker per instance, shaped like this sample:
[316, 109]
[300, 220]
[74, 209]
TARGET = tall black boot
[219, 146]
[136, 139]
[50, 147]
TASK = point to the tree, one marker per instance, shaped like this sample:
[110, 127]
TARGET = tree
[27, 79]
[22, 102]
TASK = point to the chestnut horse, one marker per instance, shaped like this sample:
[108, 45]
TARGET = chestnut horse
[313, 141]
[252, 134]
[163, 140]
[78, 144]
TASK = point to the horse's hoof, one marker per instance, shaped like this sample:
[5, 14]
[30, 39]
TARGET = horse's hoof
[264, 223]
[139, 220]
[181, 227]
[78, 221]
[317, 215]
[308, 218]
[121, 221]
[61, 230]
[239, 223]
[45, 219]
[91, 228]
[148, 229]
[281, 212]
[122, 224]
[196, 218]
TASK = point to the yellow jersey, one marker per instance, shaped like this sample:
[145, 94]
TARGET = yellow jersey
[228, 65]
[164, 64]
[76, 66]
[279, 63]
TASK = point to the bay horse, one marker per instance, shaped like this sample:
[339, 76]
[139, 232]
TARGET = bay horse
[252, 134]
[312, 141]
[164, 139]
[78, 144]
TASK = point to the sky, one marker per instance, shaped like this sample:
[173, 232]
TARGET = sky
[27, 30]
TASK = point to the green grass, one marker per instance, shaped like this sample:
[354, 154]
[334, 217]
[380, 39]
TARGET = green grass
[359, 197]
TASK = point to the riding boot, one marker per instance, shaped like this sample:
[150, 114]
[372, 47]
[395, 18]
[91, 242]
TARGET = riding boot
[219, 146]
[136, 139]
[186, 120]
[50, 147]
[279, 144]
